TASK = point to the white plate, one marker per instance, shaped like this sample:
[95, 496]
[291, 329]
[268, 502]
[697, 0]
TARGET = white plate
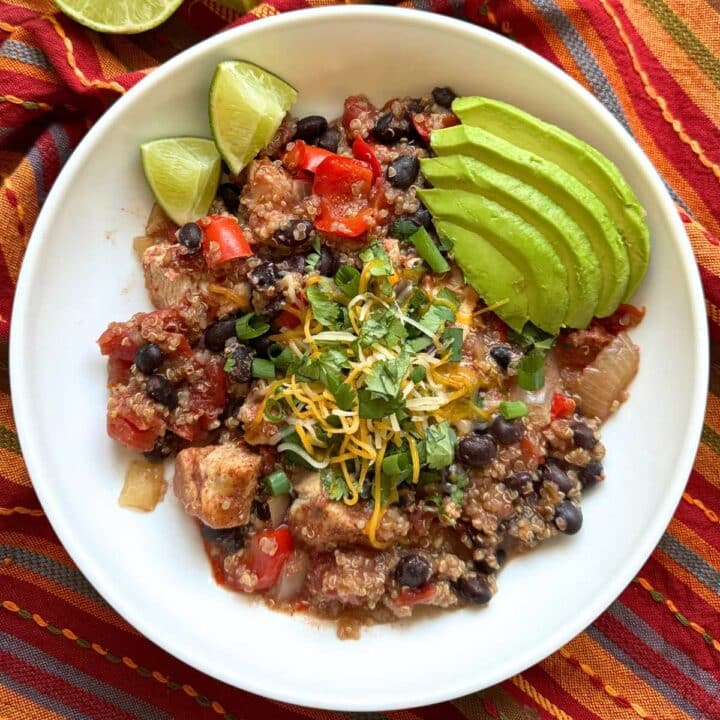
[79, 273]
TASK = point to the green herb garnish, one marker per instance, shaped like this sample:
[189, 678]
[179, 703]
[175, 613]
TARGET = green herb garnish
[277, 483]
[531, 370]
[511, 410]
[263, 369]
[250, 326]
[429, 251]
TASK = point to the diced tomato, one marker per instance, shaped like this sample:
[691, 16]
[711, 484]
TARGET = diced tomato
[425, 123]
[492, 321]
[172, 228]
[305, 157]
[267, 567]
[343, 186]
[207, 399]
[118, 370]
[286, 319]
[578, 348]
[135, 431]
[357, 107]
[561, 406]
[625, 317]
[365, 152]
[121, 341]
[530, 450]
[223, 240]
[416, 595]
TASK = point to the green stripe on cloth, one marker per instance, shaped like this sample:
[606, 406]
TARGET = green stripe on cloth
[9, 440]
[687, 40]
[711, 438]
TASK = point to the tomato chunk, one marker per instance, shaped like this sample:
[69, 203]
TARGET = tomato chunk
[223, 240]
[364, 151]
[268, 552]
[343, 185]
[413, 596]
[561, 406]
[625, 317]
[425, 123]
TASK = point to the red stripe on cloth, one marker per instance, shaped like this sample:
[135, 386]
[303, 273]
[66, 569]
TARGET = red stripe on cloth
[664, 622]
[444, 711]
[663, 669]
[7, 292]
[711, 284]
[74, 697]
[676, 152]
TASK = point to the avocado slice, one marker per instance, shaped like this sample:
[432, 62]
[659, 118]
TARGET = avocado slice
[550, 220]
[489, 272]
[588, 165]
[546, 278]
[563, 189]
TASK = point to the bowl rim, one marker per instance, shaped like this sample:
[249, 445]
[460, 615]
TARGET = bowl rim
[20, 379]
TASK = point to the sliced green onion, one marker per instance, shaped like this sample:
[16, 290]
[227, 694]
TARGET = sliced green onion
[452, 338]
[402, 229]
[250, 326]
[418, 373]
[347, 278]
[280, 355]
[531, 370]
[428, 251]
[273, 411]
[396, 464]
[263, 369]
[334, 336]
[513, 409]
[277, 483]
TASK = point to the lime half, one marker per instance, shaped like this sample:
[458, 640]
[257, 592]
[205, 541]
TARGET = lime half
[247, 105]
[184, 174]
[113, 16]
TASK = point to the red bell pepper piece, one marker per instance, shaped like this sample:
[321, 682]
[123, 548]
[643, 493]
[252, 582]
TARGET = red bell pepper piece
[343, 185]
[305, 157]
[414, 596]
[223, 240]
[561, 406]
[364, 151]
[263, 564]
[425, 123]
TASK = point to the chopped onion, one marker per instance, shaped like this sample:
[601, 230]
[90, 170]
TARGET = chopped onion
[292, 577]
[604, 381]
[158, 222]
[278, 506]
[538, 401]
[144, 486]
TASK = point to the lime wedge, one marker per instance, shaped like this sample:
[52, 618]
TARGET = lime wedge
[111, 16]
[183, 173]
[247, 105]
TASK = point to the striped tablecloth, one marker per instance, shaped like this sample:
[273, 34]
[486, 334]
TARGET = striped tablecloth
[654, 654]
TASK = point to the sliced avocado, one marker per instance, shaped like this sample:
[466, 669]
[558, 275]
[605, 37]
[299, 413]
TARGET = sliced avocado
[489, 272]
[549, 219]
[588, 165]
[546, 278]
[563, 189]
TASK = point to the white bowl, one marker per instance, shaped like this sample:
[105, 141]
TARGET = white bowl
[80, 272]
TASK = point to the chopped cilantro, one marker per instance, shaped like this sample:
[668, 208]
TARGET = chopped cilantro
[417, 374]
[325, 311]
[403, 228]
[344, 394]
[333, 484]
[383, 325]
[347, 278]
[386, 376]
[440, 445]
[531, 337]
[435, 317]
[452, 339]
[450, 296]
[377, 252]
[373, 407]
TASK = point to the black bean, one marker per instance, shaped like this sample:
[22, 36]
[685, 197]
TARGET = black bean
[443, 96]
[238, 363]
[294, 263]
[415, 105]
[507, 432]
[474, 588]
[521, 480]
[165, 446]
[228, 540]
[310, 128]
[412, 571]
[329, 140]
[568, 518]
[295, 233]
[262, 510]
[389, 129]
[477, 450]
[488, 568]
[591, 474]
[422, 217]
[161, 390]
[328, 264]
[403, 171]
[583, 436]
[552, 472]
[262, 345]
[230, 195]
[190, 236]
[502, 355]
[480, 428]
[263, 276]
[148, 358]
[218, 333]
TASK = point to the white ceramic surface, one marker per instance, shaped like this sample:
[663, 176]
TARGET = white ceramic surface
[80, 273]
